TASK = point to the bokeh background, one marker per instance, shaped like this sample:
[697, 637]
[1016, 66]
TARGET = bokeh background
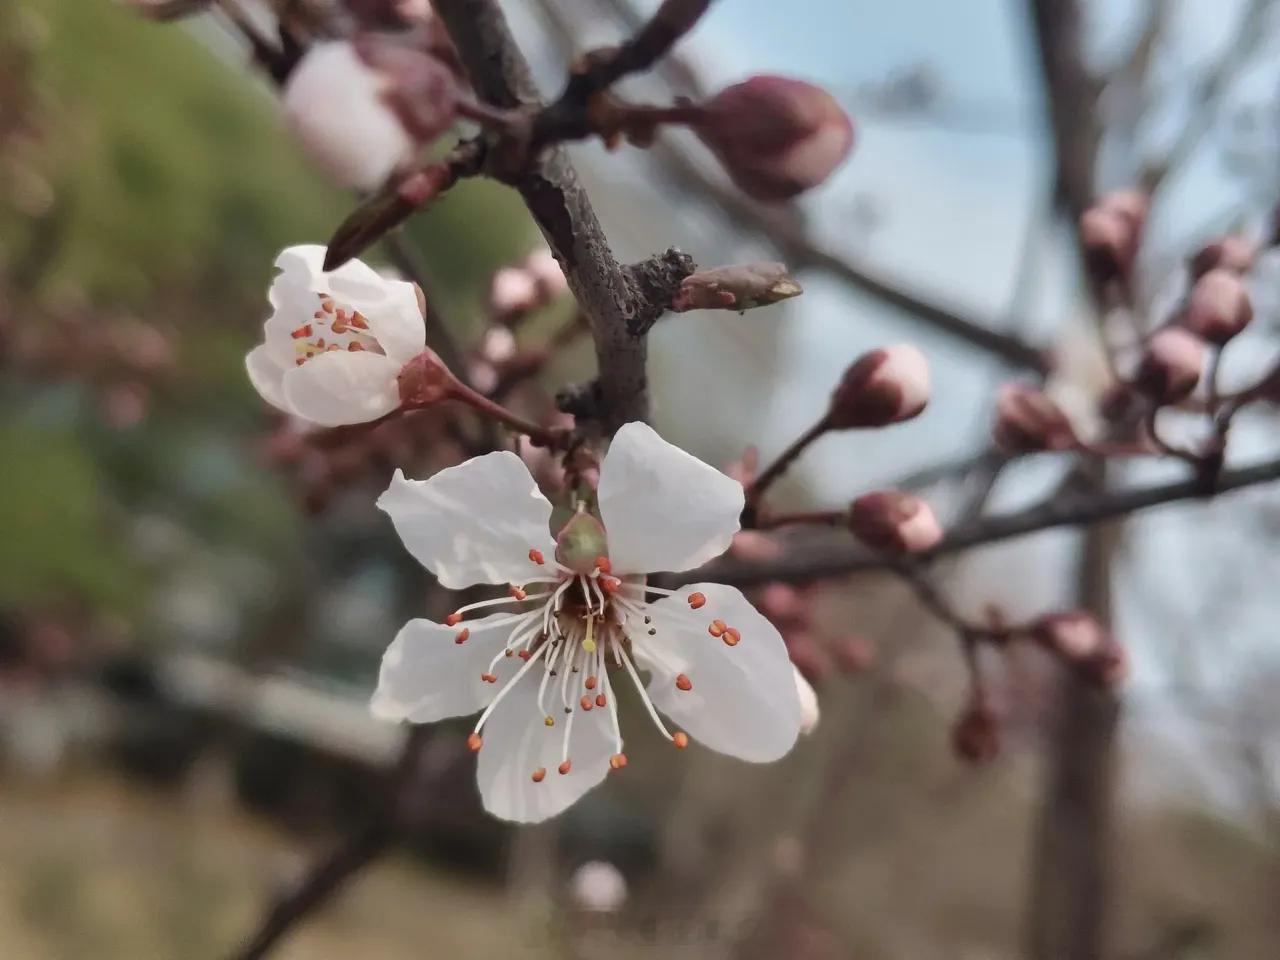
[193, 602]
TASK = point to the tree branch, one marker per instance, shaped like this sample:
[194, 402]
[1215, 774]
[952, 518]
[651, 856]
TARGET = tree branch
[1061, 511]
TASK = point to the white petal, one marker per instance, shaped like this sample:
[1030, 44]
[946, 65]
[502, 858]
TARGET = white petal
[663, 509]
[809, 712]
[267, 377]
[474, 523]
[392, 311]
[744, 700]
[517, 742]
[341, 387]
[427, 676]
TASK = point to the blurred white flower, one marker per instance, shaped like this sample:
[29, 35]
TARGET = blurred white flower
[335, 105]
[809, 712]
[598, 887]
[335, 341]
[716, 665]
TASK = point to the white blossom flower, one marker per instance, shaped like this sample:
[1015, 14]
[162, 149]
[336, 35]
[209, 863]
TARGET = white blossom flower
[336, 341]
[334, 104]
[544, 676]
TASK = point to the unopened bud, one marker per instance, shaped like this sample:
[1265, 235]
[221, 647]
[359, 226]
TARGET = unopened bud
[1109, 667]
[736, 288]
[425, 380]
[547, 273]
[1074, 635]
[1218, 306]
[894, 522]
[1110, 231]
[1027, 420]
[881, 387]
[1131, 204]
[1233, 253]
[976, 735]
[775, 136]
[1171, 365]
[420, 89]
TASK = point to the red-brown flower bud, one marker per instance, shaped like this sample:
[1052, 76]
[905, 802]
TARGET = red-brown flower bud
[1218, 306]
[1232, 252]
[739, 288]
[881, 387]
[1110, 231]
[425, 380]
[894, 522]
[976, 735]
[1027, 421]
[775, 136]
[1171, 365]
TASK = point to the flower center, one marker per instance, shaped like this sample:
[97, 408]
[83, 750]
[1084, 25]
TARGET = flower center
[577, 639]
[332, 327]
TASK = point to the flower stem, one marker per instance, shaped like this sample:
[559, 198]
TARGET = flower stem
[780, 466]
[543, 436]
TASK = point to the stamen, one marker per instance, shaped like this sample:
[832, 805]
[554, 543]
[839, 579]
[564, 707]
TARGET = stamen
[618, 761]
[517, 593]
[585, 703]
[680, 739]
[463, 635]
[603, 565]
[474, 742]
[591, 683]
[565, 767]
[302, 332]
[620, 652]
[456, 617]
[519, 674]
[536, 556]
[610, 585]
[732, 637]
[717, 628]
[684, 683]
[659, 591]
[696, 600]
[600, 700]
[488, 678]
[539, 775]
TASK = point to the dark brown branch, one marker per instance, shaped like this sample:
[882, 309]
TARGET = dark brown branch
[1062, 511]
[564, 214]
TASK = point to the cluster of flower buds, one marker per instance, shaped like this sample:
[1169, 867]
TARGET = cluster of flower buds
[521, 289]
[1077, 639]
[1172, 361]
[1218, 306]
[1111, 232]
[739, 288]
[894, 522]
[884, 386]
[1028, 421]
[363, 109]
[776, 137]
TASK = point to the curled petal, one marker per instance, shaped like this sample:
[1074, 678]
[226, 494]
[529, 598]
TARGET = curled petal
[663, 509]
[474, 523]
[340, 387]
[742, 698]
[427, 675]
[517, 742]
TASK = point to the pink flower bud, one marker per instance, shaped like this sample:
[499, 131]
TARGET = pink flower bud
[881, 387]
[976, 735]
[425, 380]
[1171, 365]
[334, 104]
[894, 522]
[1131, 204]
[512, 291]
[1027, 421]
[1109, 242]
[420, 88]
[545, 270]
[1074, 635]
[1232, 252]
[1218, 307]
[775, 136]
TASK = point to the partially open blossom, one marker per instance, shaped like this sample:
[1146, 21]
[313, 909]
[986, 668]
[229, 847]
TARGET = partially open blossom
[775, 136]
[342, 111]
[1171, 364]
[1027, 420]
[809, 712]
[894, 522]
[578, 616]
[598, 887]
[1232, 253]
[335, 342]
[884, 386]
[1110, 232]
[1218, 306]
[739, 287]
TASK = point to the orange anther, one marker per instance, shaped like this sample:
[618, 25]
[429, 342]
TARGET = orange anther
[359, 322]
[462, 636]
[453, 619]
[585, 703]
[488, 678]
[732, 637]
[600, 700]
[319, 315]
[591, 683]
[302, 332]
[683, 683]
[354, 347]
[680, 739]
[618, 761]
[610, 584]
[603, 564]
[326, 306]
[517, 592]
[474, 743]
[539, 774]
[696, 600]
[537, 557]
[565, 767]
[525, 654]
[717, 628]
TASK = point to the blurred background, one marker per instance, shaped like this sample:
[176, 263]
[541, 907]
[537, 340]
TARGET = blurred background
[194, 597]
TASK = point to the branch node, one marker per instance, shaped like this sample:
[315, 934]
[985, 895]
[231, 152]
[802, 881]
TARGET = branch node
[654, 282]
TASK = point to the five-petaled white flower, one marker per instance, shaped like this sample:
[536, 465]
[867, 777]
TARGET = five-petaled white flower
[336, 341]
[543, 674]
